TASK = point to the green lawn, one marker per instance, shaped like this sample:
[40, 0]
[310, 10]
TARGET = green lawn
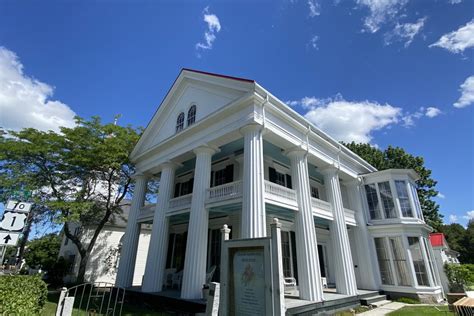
[422, 310]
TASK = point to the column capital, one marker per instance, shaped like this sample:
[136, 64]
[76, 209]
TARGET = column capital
[138, 175]
[329, 170]
[253, 127]
[205, 148]
[353, 182]
[295, 151]
[170, 165]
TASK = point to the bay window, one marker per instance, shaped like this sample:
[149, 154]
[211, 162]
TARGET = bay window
[387, 200]
[372, 201]
[418, 261]
[403, 198]
[383, 259]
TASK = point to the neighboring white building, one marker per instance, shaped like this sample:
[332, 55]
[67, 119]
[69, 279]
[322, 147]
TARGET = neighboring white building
[443, 254]
[104, 259]
[226, 151]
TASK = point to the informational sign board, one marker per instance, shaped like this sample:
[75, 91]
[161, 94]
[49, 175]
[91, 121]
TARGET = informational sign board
[18, 206]
[8, 239]
[246, 279]
[13, 221]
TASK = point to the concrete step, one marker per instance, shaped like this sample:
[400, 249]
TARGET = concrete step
[373, 299]
[380, 303]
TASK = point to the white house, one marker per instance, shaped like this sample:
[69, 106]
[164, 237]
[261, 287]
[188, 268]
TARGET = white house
[226, 151]
[104, 259]
[442, 255]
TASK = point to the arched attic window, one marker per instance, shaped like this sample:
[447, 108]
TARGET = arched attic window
[180, 122]
[192, 115]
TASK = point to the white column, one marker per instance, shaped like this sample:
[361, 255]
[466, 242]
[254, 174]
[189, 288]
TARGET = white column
[128, 253]
[157, 250]
[194, 274]
[253, 204]
[344, 267]
[309, 273]
[364, 246]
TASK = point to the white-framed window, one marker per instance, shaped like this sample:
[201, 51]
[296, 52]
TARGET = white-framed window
[180, 122]
[418, 261]
[383, 259]
[399, 259]
[387, 199]
[314, 192]
[192, 115]
[373, 201]
[403, 198]
[279, 178]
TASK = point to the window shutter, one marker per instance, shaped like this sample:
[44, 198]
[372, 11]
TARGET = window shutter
[293, 251]
[288, 182]
[229, 173]
[176, 189]
[272, 174]
[191, 185]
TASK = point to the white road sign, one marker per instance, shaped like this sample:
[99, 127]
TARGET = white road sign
[13, 221]
[9, 239]
[17, 206]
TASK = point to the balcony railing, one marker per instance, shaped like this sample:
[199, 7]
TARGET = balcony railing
[350, 216]
[224, 192]
[320, 204]
[147, 210]
[180, 202]
[280, 195]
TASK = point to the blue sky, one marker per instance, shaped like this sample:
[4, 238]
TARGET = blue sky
[395, 72]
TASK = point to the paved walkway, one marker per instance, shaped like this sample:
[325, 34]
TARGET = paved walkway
[383, 310]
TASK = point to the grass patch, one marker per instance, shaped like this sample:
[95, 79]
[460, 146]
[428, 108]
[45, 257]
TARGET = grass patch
[422, 310]
[407, 300]
[357, 310]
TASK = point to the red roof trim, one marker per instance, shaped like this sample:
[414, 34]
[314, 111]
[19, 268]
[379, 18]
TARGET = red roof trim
[217, 75]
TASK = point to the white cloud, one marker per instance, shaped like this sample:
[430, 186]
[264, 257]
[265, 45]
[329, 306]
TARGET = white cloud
[25, 101]
[314, 42]
[467, 93]
[457, 41]
[348, 121]
[432, 112]
[409, 118]
[314, 8]
[453, 218]
[455, 1]
[440, 195]
[213, 27]
[469, 215]
[380, 12]
[405, 32]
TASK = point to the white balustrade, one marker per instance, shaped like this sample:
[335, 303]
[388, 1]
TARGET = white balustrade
[320, 204]
[147, 210]
[181, 202]
[280, 195]
[350, 217]
[225, 191]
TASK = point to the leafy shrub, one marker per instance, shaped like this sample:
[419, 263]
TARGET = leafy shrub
[459, 276]
[22, 295]
[407, 300]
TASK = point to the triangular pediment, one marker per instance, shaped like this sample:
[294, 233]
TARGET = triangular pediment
[209, 92]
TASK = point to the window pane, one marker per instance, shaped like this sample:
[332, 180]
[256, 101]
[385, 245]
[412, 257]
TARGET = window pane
[403, 198]
[372, 200]
[398, 254]
[192, 115]
[180, 122]
[314, 193]
[387, 200]
[286, 255]
[418, 262]
[416, 201]
[384, 261]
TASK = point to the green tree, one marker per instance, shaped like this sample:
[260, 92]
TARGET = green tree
[398, 158]
[78, 175]
[43, 252]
